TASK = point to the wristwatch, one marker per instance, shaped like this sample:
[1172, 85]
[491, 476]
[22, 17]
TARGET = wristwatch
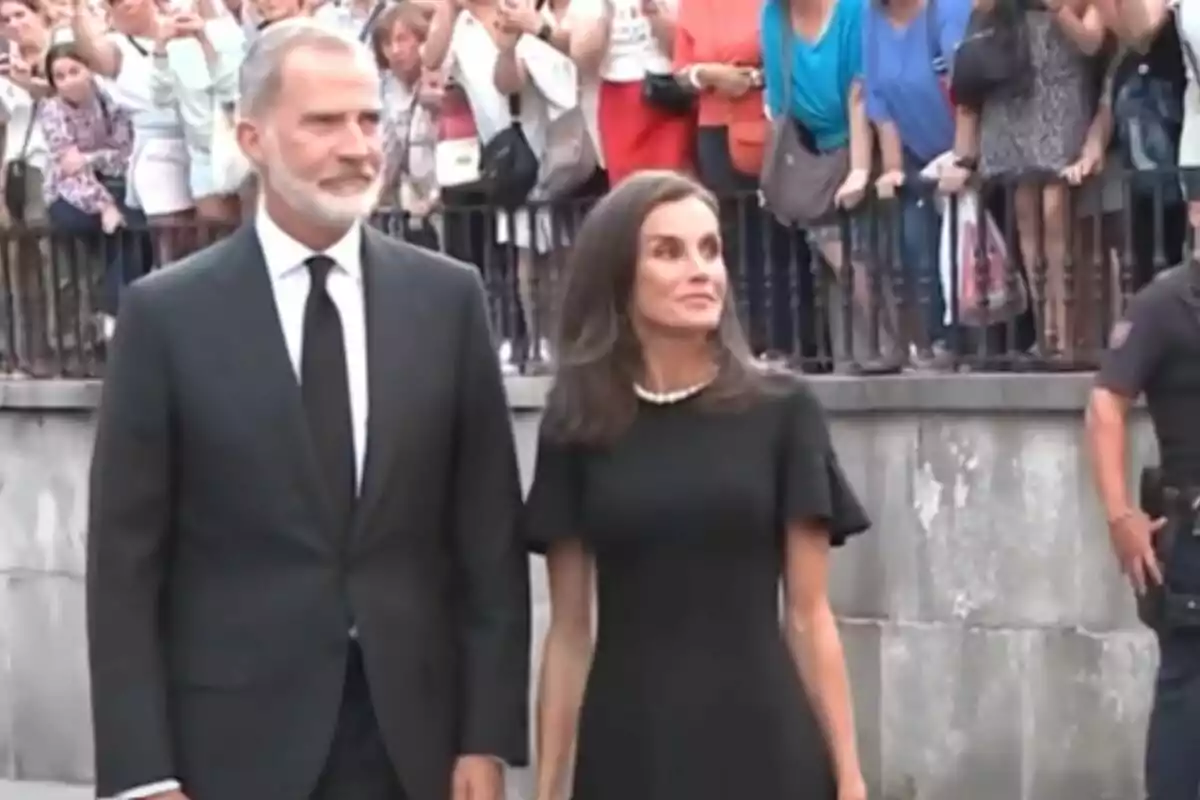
[545, 32]
[969, 163]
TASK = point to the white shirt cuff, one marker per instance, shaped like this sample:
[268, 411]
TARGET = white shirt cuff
[149, 790]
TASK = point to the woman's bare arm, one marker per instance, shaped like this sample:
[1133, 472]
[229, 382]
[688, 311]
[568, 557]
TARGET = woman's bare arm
[862, 135]
[91, 39]
[566, 659]
[1085, 30]
[589, 41]
[816, 646]
[441, 29]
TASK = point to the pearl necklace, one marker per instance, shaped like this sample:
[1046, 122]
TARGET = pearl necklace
[668, 398]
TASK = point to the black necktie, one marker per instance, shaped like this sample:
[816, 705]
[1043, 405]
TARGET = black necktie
[326, 391]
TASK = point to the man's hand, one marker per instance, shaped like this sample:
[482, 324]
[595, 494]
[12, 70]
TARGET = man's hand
[174, 794]
[1132, 535]
[477, 778]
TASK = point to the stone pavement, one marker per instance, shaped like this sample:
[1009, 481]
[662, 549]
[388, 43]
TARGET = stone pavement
[24, 790]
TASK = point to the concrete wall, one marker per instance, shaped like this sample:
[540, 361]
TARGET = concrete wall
[993, 649]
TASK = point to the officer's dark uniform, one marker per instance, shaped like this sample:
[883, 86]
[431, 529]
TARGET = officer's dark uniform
[1155, 350]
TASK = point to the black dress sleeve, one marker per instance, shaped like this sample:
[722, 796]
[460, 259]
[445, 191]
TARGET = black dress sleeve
[551, 510]
[812, 484]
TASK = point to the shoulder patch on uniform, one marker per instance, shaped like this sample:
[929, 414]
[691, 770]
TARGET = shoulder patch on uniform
[1120, 332]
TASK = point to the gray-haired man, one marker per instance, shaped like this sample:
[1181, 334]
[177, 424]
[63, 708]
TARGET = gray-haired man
[304, 579]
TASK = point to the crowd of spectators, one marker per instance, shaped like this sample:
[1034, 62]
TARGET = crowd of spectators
[1010, 222]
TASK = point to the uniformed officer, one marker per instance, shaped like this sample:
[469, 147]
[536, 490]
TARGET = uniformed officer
[1155, 350]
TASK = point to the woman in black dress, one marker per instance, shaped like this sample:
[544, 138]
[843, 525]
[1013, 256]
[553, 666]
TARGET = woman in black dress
[686, 483]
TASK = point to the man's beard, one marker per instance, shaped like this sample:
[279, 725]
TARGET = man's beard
[309, 199]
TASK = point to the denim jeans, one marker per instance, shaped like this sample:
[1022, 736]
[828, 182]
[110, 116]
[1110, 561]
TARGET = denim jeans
[127, 253]
[920, 244]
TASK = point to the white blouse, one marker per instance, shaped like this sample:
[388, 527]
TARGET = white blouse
[632, 49]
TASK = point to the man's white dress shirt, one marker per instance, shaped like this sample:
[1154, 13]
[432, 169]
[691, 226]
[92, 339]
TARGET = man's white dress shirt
[290, 281]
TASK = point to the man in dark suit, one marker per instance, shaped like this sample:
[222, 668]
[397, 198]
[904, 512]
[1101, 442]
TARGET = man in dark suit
[304, 576]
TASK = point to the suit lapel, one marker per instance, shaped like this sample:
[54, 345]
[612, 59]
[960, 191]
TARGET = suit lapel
[394, 318]
[266, 368]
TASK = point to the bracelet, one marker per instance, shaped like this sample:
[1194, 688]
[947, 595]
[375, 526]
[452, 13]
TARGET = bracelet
[693, 77]
[1124, 515]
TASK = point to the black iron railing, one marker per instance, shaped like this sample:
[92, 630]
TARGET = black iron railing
[911, 283]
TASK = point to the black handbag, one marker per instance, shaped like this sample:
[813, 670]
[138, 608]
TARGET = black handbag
[16, 174]
[508, 167]
[994, 56]
[664, 93]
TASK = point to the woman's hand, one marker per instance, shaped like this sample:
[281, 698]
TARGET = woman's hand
[507, 36]
[1090, 162]
[853, 788]
[422, 208]
[953, 178]
[111, 219]
[853, 189]
[520, 15]
[726, 80]
[431, 90]
[72, 162]
[188, 25]
[887, 184]
[17, 70]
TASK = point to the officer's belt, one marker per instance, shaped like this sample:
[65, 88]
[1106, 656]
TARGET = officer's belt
[1183, 500]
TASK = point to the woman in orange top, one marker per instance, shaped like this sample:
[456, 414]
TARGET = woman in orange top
[718, 55]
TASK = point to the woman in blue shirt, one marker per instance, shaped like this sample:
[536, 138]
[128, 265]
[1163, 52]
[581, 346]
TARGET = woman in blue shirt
[907, 45]
[825, 48]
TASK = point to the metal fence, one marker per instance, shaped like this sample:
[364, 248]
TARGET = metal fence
[1022, 274]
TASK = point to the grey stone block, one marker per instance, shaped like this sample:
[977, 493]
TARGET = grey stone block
[1088, 700]
[876, 456]
[8, 684]
[51, 721]
[951, 724]
[991, 644]
[996, 536]
[43, 491]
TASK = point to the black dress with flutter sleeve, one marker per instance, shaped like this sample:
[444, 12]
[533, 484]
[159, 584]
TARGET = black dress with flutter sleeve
[693, 694]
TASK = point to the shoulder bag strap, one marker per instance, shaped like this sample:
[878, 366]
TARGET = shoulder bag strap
[514, 108]
[408, 134]
[33, 112]
[372, 18]
[786, 39]
[137, 46]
